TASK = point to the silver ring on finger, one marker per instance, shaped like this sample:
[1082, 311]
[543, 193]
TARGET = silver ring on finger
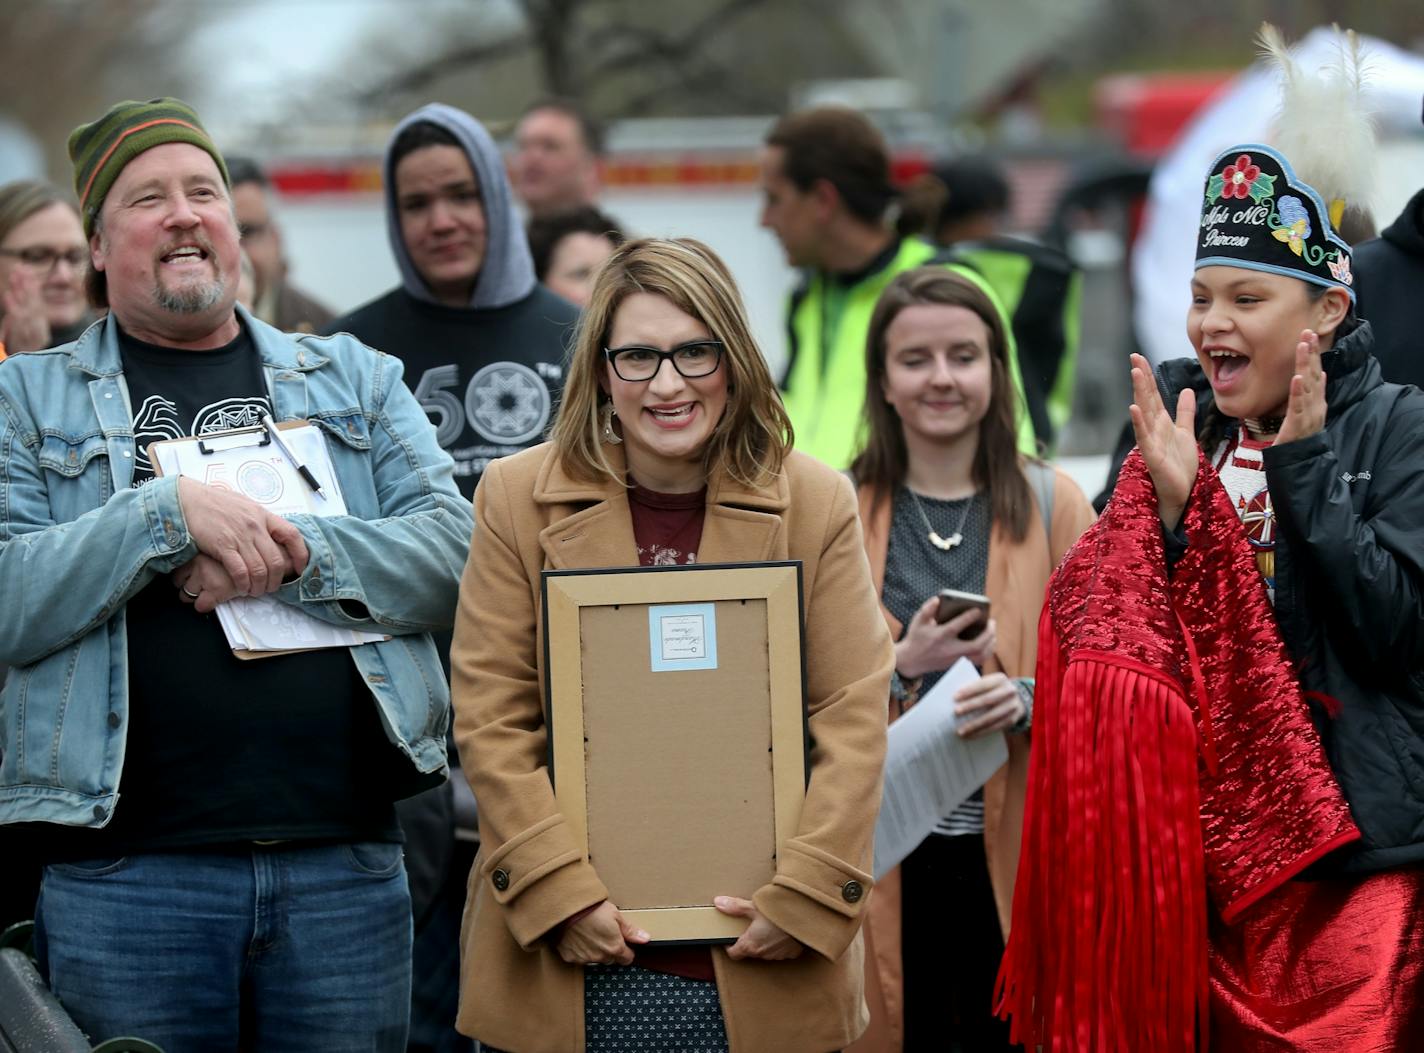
[184, 590]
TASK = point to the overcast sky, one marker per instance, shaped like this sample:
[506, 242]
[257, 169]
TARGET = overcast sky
[256, 48]
[263, 53]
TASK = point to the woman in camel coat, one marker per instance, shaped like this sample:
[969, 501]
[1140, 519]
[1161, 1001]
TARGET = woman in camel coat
[945, 500]
[669, 420]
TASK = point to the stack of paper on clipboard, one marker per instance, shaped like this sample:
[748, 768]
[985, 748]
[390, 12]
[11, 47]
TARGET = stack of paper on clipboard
[248, 462]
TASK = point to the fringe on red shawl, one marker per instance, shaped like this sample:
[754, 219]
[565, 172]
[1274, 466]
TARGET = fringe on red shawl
[1130, 842]
[1108, 949]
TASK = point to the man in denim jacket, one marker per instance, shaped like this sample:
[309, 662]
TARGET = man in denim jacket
[222, 860]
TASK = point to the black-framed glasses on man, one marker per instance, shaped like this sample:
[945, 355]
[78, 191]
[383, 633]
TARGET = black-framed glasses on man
[43, 259]
[696, 358]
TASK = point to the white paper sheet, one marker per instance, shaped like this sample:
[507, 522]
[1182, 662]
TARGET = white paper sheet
[262, 473]
[929, 769]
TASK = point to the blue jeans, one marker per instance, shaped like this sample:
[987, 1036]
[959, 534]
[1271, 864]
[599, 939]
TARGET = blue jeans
[277, 949]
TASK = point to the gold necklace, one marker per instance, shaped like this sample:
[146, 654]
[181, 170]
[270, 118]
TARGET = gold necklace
[944, 544]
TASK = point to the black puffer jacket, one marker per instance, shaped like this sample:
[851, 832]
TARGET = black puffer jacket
[1349, 504]
[1389, 281]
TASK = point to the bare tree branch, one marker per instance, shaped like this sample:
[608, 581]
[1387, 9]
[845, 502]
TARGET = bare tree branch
[78, 58]
[668, 48]
[419, 77]
[718, 80]
[570, 61]
[669, 58]
[552, 25]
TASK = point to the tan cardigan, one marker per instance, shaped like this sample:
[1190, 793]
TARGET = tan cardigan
[1015, 581]
[516, 993]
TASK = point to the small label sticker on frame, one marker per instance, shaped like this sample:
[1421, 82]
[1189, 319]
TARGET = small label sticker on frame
[682, 636]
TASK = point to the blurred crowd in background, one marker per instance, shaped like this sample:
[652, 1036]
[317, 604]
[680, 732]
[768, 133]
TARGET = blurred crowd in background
[1072, 123]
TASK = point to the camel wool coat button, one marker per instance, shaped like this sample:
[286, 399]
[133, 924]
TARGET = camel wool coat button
[500, 878]
[851, 891]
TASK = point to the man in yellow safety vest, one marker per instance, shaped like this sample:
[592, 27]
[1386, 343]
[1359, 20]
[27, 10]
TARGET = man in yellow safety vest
[825, 174]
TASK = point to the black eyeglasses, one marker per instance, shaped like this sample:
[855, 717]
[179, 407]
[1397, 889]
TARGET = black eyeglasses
[44, 260]
[696, 358]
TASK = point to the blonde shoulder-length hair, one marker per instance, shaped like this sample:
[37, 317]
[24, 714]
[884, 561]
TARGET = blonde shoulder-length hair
[751, 440]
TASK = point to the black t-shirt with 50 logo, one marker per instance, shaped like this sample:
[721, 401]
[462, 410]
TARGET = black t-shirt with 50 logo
[489, 379]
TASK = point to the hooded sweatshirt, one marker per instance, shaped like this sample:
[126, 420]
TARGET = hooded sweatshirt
[1389, 281]
[488, 373]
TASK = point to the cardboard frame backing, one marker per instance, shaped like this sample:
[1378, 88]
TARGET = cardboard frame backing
[677, 791]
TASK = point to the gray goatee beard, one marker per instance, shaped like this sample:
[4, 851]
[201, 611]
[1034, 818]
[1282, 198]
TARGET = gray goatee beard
[191, 299]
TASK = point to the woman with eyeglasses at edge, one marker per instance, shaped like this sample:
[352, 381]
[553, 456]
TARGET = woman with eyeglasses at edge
[43, 260]
[947, 502]
[670, 446]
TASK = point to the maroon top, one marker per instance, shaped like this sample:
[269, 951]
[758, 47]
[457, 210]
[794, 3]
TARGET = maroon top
[667, 527]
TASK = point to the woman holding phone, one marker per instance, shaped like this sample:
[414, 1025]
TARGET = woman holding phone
[670, 446]
[947, 502]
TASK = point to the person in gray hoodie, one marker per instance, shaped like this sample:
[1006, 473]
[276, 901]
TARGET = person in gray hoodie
[483, 346]
[482, 341]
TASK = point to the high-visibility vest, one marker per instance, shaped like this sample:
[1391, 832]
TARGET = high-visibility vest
[824, 385]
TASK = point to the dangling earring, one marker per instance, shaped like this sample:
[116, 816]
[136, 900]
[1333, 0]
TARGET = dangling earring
[609, 435]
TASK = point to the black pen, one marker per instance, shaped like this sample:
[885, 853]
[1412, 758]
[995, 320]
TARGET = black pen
[306, 473]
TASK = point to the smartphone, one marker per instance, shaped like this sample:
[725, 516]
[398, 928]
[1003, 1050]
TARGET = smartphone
[953, 603]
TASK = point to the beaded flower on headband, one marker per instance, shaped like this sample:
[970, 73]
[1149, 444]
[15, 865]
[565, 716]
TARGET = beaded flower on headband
[1258, 214]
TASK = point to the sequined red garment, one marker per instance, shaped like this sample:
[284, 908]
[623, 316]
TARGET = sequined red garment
[1323, 965]
[1173, 758]
[1273, 807]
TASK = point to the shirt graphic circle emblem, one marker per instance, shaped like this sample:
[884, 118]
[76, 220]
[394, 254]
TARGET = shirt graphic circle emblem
[507, 403]
[260, 481]
[228, 414]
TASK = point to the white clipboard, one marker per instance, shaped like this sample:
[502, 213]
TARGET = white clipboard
[248, 462]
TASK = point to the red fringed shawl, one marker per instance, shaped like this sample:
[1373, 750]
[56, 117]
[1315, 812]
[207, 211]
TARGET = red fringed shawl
[1174, 763]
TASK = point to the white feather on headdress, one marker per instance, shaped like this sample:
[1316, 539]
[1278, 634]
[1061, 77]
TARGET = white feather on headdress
[1324, 126]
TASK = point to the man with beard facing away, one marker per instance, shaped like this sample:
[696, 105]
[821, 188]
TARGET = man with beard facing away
[828, 194]
[223, 863]
[483, 346]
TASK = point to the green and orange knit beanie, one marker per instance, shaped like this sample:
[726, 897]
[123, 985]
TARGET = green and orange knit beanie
[101, 149]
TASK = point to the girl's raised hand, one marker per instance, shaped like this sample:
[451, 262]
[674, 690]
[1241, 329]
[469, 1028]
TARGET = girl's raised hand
[1169, 447]
[1305, 413]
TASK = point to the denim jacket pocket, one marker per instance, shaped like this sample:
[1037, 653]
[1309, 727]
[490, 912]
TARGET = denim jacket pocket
[348, 437]
[70, 456]
[348, 428]
[84, 461]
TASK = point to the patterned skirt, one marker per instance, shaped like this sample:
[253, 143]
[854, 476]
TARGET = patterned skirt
[633, 1010]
